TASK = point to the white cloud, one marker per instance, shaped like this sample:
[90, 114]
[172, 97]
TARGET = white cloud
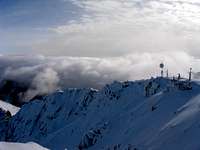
[54, 72]
[110, 28]
[44, 82]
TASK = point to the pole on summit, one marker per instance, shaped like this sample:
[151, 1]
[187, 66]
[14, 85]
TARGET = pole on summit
[167, 73]
[190, 75]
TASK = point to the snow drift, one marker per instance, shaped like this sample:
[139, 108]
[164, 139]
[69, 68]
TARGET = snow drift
[20, 146]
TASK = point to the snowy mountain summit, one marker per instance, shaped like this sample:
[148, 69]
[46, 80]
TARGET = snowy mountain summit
[154, 114]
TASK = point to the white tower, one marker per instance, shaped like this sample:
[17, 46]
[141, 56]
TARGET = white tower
[161, 68]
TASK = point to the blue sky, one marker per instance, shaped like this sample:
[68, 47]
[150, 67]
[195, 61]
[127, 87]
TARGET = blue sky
[35, 13]
[23, 21]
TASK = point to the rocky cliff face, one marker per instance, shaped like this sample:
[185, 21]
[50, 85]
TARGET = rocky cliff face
[4, 124]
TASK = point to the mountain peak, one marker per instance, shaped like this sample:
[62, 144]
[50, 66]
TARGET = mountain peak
[133, 114]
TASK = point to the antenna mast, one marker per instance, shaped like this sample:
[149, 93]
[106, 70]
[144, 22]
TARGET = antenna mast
[190, 74]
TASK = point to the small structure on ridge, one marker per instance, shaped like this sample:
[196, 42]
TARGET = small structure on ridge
[161, 68]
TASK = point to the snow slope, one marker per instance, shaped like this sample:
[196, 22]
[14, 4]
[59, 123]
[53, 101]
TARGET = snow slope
[119, 116]
[6, 106]
[20, 146]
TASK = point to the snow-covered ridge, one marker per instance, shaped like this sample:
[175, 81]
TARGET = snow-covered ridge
[148, 115]
[8, 107]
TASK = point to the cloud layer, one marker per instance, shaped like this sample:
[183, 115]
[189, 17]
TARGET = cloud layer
[47, 74]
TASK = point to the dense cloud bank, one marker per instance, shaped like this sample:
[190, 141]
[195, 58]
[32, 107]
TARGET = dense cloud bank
[47, 74]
